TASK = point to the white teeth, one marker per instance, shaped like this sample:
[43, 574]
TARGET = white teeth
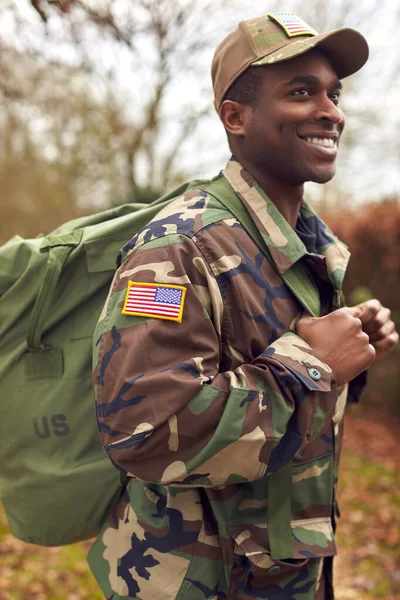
[327, 142]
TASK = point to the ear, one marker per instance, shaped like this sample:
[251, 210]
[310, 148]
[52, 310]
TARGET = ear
[234, 116]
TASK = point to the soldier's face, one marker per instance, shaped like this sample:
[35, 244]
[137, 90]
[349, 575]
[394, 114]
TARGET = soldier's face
[293, 133]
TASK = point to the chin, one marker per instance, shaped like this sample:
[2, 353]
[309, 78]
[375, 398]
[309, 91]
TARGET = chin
[323, 176]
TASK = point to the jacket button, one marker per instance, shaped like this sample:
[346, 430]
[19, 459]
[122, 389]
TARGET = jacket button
[274, 570]
[314, 374]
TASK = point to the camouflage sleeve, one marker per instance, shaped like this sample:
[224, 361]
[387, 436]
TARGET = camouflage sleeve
[166, 412]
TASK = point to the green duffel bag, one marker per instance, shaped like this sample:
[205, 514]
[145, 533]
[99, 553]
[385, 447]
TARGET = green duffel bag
[56, 482]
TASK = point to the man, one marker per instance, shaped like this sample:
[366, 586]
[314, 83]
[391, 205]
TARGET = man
[223, 354]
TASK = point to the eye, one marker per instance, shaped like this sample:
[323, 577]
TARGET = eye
[302, 92]
[335, 97]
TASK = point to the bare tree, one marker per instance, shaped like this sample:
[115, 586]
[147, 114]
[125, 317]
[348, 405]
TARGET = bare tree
[138, 57]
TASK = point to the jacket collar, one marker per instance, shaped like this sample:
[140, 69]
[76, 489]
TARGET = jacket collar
[283, 242]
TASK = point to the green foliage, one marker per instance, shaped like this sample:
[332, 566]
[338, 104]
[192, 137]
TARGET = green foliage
[359, 295]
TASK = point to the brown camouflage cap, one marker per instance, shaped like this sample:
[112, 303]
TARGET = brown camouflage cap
[277, 37]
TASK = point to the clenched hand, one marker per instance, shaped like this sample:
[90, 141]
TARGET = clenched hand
[351, 338]
[338, 339]
[378, 325]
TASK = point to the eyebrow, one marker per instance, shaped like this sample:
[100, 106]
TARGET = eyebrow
[312, 80]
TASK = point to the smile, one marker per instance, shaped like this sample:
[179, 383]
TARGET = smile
[319, 141]
[323, 145]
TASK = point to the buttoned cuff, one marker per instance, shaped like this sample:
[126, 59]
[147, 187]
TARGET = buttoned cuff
[299, 358]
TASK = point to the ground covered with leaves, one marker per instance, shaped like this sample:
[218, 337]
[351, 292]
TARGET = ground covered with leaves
[367, 567]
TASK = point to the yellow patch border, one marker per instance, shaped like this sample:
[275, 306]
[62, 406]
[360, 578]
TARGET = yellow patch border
[310, 30]
[142, 314]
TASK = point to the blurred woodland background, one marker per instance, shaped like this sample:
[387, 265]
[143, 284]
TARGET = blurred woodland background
[110, 101]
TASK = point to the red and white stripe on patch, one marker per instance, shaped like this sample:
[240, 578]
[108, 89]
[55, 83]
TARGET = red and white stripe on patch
[292, 25]
[157, 300]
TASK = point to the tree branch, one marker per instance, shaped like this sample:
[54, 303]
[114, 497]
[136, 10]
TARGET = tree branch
[37, 5]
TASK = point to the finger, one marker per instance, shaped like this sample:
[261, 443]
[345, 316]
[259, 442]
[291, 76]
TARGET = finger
[377, 322]
[385, 346]
[367, 310]
[382, 332]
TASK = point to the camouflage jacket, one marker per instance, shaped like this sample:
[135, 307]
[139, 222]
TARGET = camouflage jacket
[226, 421]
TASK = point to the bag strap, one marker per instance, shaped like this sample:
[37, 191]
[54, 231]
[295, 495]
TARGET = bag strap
[297, 278]
[43, 362]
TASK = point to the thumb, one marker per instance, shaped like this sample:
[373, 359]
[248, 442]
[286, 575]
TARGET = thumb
[304, 317]
[303, 320]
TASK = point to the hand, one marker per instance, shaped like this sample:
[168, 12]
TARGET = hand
[338, 340]
[377, 324]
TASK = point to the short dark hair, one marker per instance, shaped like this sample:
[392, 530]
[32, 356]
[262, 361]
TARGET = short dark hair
[247, 87]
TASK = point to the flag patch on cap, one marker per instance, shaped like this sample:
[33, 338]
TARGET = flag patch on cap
[292, 25]
[156, 300]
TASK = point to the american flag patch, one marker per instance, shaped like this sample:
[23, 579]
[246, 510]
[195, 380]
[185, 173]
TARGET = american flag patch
[292, 25]
[156, 300]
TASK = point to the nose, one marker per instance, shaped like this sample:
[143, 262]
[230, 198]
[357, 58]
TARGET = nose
[328, 111]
